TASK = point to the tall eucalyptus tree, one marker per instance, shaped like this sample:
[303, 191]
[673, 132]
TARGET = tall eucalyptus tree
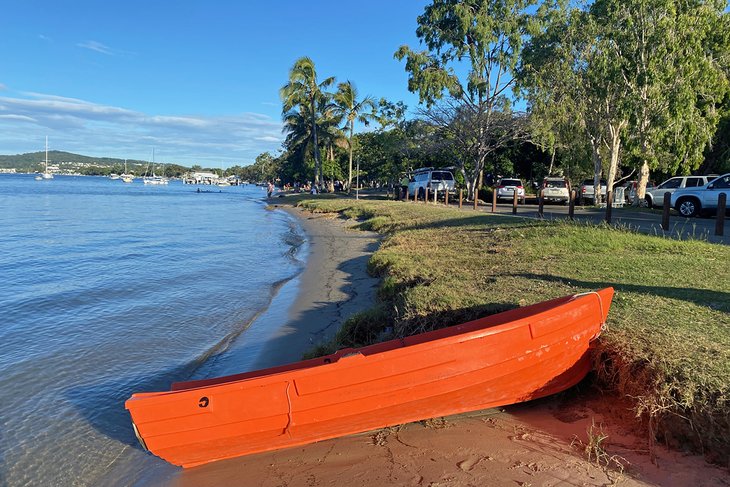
[305, 94]
[481, 39]
[643, 76]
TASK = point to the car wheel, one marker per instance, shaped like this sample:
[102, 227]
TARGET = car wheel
[688, 207]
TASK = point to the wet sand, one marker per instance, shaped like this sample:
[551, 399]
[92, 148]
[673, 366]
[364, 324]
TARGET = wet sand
[333, 286]
[539, 443]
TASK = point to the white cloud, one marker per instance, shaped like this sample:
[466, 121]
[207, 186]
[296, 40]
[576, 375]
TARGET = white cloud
[96, 46]
[90, 128]
[43, 37]
[20, 118]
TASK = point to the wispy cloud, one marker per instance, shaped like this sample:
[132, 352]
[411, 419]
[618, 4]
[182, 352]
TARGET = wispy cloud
[3, 87]
[19, 118]
[90, 128]
[44, 37]
[96, 46]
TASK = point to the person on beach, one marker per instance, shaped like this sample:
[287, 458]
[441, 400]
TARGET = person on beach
[270, 189]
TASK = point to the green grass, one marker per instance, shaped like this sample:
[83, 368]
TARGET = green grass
[668, 342]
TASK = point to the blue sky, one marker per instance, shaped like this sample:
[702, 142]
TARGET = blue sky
[196, 80]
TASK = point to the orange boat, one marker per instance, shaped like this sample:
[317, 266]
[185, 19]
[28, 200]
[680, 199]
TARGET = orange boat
[501, 359]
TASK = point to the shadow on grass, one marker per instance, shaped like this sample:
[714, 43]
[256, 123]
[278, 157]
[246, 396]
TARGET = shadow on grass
[483, 220]
[717, 300]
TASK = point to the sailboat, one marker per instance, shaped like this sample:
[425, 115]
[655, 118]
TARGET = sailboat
[155, 179]
[45, 174]
[126, 177]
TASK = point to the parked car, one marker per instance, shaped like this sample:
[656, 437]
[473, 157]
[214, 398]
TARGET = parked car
[631, 187]
[691, 202]
[556, 189]
[587, 192]
[655, 197]
[506, 188]
[431, 179]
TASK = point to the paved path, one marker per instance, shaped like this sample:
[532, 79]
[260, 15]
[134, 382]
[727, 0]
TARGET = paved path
[641, 220]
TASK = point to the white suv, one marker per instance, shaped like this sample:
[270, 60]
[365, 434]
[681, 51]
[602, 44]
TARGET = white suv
[556, 189]
[690, 202]
[506, 188]
[431, 179]
[655, 197]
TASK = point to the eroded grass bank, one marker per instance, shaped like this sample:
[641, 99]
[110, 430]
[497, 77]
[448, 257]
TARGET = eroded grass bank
[668, 342]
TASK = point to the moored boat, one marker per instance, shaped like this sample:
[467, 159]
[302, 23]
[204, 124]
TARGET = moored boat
[502, 359]
[46, 174]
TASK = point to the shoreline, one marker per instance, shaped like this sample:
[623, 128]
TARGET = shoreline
[536, 443]
[333, 286]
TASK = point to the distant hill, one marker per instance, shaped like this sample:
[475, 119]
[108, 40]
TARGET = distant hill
[30, 160]
[68, 163]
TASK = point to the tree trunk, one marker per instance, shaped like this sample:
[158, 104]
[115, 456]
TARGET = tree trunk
[597, 170]
[552, 161]
[349, 174]
[317, 160]
[641, 186]
[614, 152]
[472, 185]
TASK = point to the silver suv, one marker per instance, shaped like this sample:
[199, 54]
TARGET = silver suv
[655, 197]
[588, 193]
[690, 202]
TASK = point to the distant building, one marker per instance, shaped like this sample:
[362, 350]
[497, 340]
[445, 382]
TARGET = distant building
[208, 178]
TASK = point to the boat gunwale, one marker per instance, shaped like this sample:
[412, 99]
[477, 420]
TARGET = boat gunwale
[426, 341]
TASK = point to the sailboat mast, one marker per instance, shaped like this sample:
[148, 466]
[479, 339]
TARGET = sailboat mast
[46, 153]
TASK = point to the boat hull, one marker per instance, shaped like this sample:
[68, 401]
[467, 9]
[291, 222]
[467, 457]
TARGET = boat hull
[502, 359]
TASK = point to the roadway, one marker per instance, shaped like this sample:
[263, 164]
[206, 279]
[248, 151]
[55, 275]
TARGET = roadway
[641, 220]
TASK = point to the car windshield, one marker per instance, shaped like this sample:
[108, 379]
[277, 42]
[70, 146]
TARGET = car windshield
[555, 184]
[441, 176]
[722, 182]
[671, 183]
[511, 182]
[589, 182]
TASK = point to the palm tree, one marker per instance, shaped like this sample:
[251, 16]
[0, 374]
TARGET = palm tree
[331, 137]
[350, 108]
[304, 92]
[298, 127]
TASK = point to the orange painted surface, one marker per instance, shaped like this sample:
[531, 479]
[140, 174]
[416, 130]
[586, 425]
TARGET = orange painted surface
[502, 359]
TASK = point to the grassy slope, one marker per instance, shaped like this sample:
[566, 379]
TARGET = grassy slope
[668, 343]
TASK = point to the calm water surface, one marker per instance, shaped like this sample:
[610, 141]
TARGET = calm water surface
[108, 288]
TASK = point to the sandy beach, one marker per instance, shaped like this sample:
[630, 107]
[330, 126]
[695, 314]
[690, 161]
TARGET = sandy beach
[333, 286]
[542, 443]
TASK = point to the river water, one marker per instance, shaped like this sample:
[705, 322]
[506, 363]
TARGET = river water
[109, 288]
